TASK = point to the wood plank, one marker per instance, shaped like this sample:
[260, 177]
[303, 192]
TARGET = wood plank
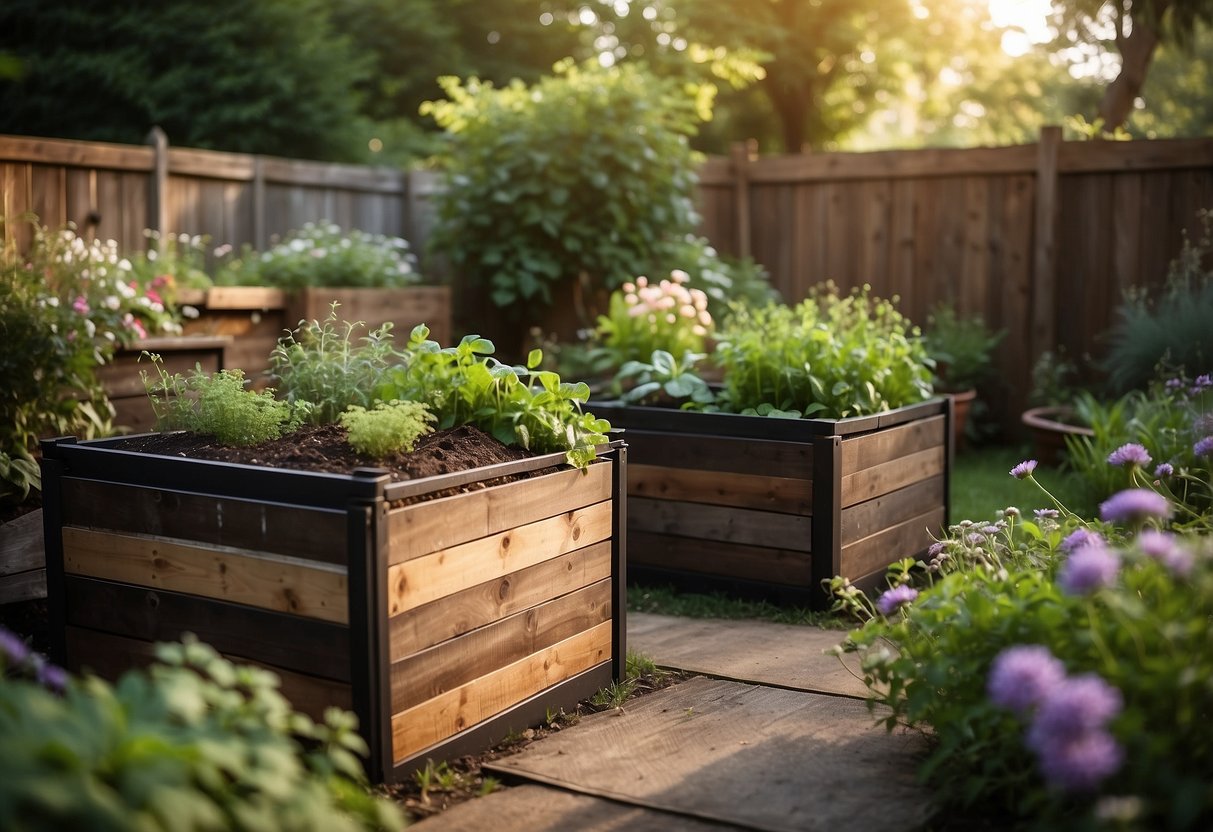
[419, 727]
[1044, 255]
[890, 444]
[122, 377]
[898, 473]
[793, 460]
[744, 756]
[720, 559]
[23, 586]
[476, 606]
[304, 645]
[244, 297]
[759, 652]
[404, 308]
[270, 582]
[426, 527]
[906, 539]
[332, 175]
[741, 490]
[461, 660]
[737, 525]
[540, 809]
[892, 164]
[22, 546]
[869, 517]
[445, 571]
[308, 533]
[1157, 154]
[76, 154]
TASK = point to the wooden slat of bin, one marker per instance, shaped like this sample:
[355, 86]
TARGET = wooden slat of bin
[122, 376]
[890, 476]
[867, 518]
[419, 529]
[738, 525]
[891, 444]
[421, 726]
[270, 582]
[421, 580]
[714, 557]
[313, 534]
[109, 656]
[23, 586]
[756, 491]
[793, 460]
[461, 660]
[906, 539]
[304, 645]
[21, 544]
[430, 305]
[476, 606]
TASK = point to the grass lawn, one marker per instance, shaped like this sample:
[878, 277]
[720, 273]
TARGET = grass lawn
[982, 485]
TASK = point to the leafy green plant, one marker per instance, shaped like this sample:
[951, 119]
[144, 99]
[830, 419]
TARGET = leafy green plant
[1169, 329]
[322, 254]
[389, 428]
[220, 405]
[664, 379]
[193, 743]
[961, 347]
[645, 317]
[586, 175]
[830, 357]
[725, 280]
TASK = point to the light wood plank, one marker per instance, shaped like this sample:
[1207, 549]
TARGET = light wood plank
[873, 449]
[476, 606]
[456, 662]
[446, 571]
[872, 516]
[881, 479]
[735, 525]
[755, 491]
[244, 297]
[419, 727]
[275, 583]
[907, 539]
[426, 527]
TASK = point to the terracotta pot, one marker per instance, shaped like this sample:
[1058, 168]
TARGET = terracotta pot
[961, 403]
[1050, 426]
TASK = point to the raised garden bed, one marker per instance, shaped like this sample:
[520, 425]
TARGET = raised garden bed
[22, 559]
[444, 623]
[772, 507]
[123, 380]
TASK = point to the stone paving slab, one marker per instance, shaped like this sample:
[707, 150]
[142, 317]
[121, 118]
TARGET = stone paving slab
[764, 652]
[754, 757]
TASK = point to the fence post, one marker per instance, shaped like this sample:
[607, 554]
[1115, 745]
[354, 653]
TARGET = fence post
[741, 196]
[258, 204]
[1044, 254]
[157, 183]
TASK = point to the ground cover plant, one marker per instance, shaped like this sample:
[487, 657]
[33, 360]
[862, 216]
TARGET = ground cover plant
[1062, 665]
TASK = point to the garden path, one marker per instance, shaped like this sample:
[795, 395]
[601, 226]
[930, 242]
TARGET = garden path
[779, 740]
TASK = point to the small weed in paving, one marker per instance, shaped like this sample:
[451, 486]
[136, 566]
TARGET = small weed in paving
[665, 600]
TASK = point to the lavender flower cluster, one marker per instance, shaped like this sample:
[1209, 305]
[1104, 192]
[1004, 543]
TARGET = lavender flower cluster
[17, 659]
[1069, 715]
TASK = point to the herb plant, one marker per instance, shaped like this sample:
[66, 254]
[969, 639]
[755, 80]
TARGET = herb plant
[829, 357]
[389, 428]
[961, 347]
[664, 378]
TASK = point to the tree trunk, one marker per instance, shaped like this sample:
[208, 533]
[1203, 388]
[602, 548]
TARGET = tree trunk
[1136, 53]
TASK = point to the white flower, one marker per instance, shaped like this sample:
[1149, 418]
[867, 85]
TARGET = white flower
[112, 302]
[223, 250]
[190, 312]
[90, 327]
[124, 264]
[52, 301]
[680, 276]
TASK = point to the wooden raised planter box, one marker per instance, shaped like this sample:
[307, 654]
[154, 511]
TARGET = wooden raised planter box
[122, 376]
[443, 624]
[772, 507]
[22, 559]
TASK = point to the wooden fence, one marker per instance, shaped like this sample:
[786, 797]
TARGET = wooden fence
[1041, 240]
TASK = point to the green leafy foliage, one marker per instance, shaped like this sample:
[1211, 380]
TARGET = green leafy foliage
[586, 173]
[389, 428]
[322, 254]
[645, 317]
[829, 357]
[664, 379]
[725, 280]
[1170, 329]
[961, 347]
[219, 404]
[193, 743]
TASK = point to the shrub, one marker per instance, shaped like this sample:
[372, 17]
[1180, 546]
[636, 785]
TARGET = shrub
[961, 347]
[389, 428]
[193, 743]
[587, 174]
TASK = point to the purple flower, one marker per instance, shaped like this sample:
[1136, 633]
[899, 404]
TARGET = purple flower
[1130, 454]
[1174, 383]
[1081, 763]
[895, 599]
[1164, 469]
[1202, 381]
[990, 529]
[975, 539]
[1073, 707]
[1079, 538]
[1046, 513]
[13, 648]
[1134, 505]
[1164, 548]
[1022, 676]
[52, 677]
[936, 548]
[1024, 469]
[1204, 447]
[1088, 569]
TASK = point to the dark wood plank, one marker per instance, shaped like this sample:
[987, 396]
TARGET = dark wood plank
[880, 479]
[724, 454]
[887, 510]
[311, 647]
[460, 660]
[870, 450]
[490, 601]
[732, 525]
[751, 757]
[21, 544]
[312, 534]
[905, 540]
[23, 586]
[756, 491]
[718, 558]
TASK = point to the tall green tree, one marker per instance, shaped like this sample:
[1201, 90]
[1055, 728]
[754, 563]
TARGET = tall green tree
[266, 76]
